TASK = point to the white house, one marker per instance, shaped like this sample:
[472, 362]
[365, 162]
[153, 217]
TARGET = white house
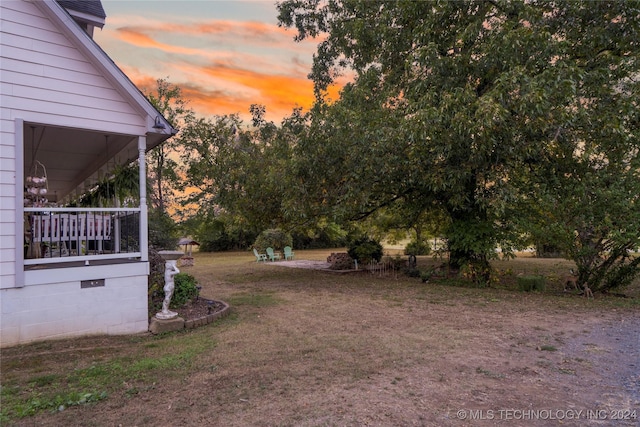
[69, 116]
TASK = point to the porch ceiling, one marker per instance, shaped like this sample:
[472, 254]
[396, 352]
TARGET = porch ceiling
[74, 158]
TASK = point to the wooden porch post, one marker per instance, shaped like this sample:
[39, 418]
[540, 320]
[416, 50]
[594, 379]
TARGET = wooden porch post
[144, 220]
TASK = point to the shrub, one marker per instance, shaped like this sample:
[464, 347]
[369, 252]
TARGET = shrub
[155, 279]
[365, 250]
[273, 238]
[531, 283]
[220, 234]
[417, 248]
[185, 289]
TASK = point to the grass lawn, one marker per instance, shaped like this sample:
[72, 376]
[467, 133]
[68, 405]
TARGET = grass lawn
[314, 348]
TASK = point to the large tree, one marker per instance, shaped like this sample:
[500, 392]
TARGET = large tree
[168, 100]
[585, 195]
[242, 169]
[451, 101]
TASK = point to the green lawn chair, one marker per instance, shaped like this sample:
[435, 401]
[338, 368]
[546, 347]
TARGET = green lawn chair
[272, 255]
[288, 253]
[259, 257]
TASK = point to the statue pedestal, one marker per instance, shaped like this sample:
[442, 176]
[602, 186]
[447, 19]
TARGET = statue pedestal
[159, 326]
[166, 316]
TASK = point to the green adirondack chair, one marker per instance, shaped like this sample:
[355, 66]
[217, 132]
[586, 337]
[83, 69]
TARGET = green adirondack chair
[272, 255]
[288, 253]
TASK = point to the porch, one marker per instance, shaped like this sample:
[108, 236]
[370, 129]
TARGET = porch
[58, 236]
[61, 224]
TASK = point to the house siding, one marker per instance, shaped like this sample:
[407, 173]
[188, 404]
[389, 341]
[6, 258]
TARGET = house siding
[46, 79]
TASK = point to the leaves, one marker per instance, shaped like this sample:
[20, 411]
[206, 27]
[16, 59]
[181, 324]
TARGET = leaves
[468, 107]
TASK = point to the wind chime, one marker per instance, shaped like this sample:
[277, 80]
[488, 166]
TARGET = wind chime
[37, 186]
[36, 183]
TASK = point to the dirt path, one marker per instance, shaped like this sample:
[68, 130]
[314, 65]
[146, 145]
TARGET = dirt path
[611, 377]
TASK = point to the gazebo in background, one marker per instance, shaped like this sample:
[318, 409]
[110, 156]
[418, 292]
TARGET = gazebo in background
[187, 259]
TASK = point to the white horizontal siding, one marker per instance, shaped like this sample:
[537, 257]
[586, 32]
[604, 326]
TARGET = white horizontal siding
[53, 59]
[7, 177]
[61, 108]
[37, 41]
[67, 93]
[21, 74]
[44, 74]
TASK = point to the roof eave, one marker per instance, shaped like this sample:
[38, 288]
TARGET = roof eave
[158, 127]
[85, 17]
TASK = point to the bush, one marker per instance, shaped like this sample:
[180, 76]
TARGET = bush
[322, 240]
[396, 263]
[273, 238]
[531, 283]
[413, 272]
[220, 234]
[365, 250]
[184, 291]
[417, 248]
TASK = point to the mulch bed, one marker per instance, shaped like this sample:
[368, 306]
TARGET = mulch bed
[199, 308]
[192, 310]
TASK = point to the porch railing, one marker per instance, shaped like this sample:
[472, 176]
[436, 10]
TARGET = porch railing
[54, 235]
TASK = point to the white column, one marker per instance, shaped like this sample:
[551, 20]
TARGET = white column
[116, 229]
[19, 204]
[144, 219]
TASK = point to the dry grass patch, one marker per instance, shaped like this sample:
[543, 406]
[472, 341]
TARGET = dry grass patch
[313, 348]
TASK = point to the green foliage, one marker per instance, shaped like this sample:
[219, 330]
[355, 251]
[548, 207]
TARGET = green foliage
[221, 233]
[321, 234]
[463, 108]
[396, 263]
[163, 233]
[273, 238]
[121, 184]
[531, 283]
[97, 380]
[365, 249]
[243, 170]
[59, 402]
[185, 289]
[417, 248]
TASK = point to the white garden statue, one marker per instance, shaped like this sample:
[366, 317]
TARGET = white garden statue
[171, 269]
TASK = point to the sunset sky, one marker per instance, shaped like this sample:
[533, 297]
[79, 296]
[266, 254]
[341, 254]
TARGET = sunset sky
[224, 54]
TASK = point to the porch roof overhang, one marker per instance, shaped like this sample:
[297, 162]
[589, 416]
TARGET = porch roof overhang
[76, 158]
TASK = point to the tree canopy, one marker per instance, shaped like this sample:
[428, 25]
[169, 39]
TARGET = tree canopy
[465, 108]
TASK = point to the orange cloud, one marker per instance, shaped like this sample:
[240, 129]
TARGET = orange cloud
[222, 66]
[225, 32]
[137, 38]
